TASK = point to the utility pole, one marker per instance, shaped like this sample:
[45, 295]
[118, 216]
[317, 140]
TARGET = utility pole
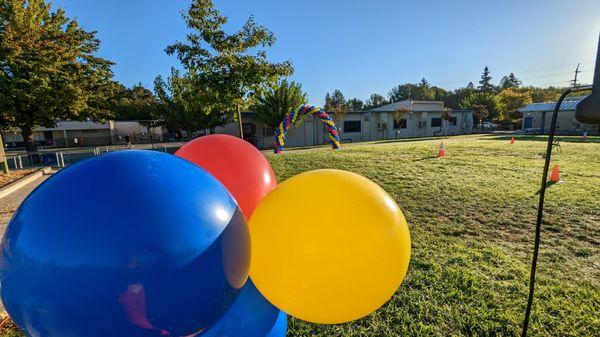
[577, 71]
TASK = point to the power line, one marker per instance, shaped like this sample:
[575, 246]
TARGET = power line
[519, 73]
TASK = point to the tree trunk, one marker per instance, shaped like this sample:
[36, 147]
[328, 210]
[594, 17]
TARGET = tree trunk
[30, 144]
[27, 133]
[239, 117]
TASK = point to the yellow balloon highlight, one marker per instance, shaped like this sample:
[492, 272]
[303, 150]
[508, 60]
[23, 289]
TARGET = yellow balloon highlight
[328, 246]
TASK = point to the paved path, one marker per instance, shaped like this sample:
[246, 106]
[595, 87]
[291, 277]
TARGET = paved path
[9, 204]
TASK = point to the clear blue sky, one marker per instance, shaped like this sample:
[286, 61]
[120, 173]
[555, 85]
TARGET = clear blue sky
[364, 47]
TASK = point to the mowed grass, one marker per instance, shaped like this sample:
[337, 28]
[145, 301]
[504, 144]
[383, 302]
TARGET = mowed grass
[472, 218]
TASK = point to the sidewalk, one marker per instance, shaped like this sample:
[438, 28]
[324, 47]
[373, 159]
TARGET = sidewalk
[9, 204]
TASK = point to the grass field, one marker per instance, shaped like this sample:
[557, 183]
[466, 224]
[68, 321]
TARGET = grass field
[472, 217]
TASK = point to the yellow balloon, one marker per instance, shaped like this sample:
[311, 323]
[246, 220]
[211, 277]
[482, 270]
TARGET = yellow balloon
[328, 246]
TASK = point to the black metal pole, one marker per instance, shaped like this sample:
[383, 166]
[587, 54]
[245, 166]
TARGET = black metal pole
[538, 225]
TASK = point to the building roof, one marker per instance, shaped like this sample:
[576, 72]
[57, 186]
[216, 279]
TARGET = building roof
[400, 104]
[567, 105]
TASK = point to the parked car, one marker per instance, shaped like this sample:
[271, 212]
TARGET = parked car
[489, 125]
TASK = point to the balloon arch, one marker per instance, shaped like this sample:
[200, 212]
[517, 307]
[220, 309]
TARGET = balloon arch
[290, 119]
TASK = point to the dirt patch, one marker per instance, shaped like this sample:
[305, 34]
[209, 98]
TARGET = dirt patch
[14, 175]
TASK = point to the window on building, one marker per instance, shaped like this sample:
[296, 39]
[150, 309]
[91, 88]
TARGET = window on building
[351, 126]
[452, 121]
[400, 124]
[268, 132]
[436, 122]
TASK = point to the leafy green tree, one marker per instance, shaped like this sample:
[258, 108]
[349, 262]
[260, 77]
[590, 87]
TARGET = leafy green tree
[549, 94]
[185, 104]
[454, 98]
[49, 69]
[510, 81]
[274, 103]
[374, 101]
[403, 92]
[422, 91]
[135, 103]
[510, 101]
[485, 84]
[231, 67]
[336, 103]
[484, 105]
[355, 104]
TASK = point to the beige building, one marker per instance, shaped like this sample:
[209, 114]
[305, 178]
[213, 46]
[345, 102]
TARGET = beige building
[538, 116]
[423, 119]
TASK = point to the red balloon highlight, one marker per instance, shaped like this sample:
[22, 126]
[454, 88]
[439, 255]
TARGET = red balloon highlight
[237, 164]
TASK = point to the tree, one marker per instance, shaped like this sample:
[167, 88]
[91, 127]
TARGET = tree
[232, 67]
[186, 104]
[400, 114]
[510, 81]
[510, 101]
[454, 98]
[422, 91]
[485, 84]
[135, 103]
[549, 94]
[49, 69]
[484, 105]
[374, 101]
[336, 103]
[470, 85]
[355, 104]
[403, 92]
[274, 103]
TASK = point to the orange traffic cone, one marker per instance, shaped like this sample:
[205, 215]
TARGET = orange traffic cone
[555, 176]
[442, 151]
[512, 140]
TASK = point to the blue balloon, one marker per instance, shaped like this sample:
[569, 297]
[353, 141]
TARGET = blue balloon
[132, 243]
[250, 316]
[280, 326]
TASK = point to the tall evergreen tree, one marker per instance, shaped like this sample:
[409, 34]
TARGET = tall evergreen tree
[510, 81]
[485, 84]
[336, 103]
[232, 66]
[49, 70]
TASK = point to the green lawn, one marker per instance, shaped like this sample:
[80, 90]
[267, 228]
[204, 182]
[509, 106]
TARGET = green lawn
[472, 217]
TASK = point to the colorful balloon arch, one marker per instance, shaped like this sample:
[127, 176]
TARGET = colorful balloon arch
[290, 119]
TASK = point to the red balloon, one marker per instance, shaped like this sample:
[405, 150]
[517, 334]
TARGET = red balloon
[237, 164]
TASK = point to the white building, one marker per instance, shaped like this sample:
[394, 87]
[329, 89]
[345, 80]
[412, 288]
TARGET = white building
[423, 119]
[538, 116]
[87, 133]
